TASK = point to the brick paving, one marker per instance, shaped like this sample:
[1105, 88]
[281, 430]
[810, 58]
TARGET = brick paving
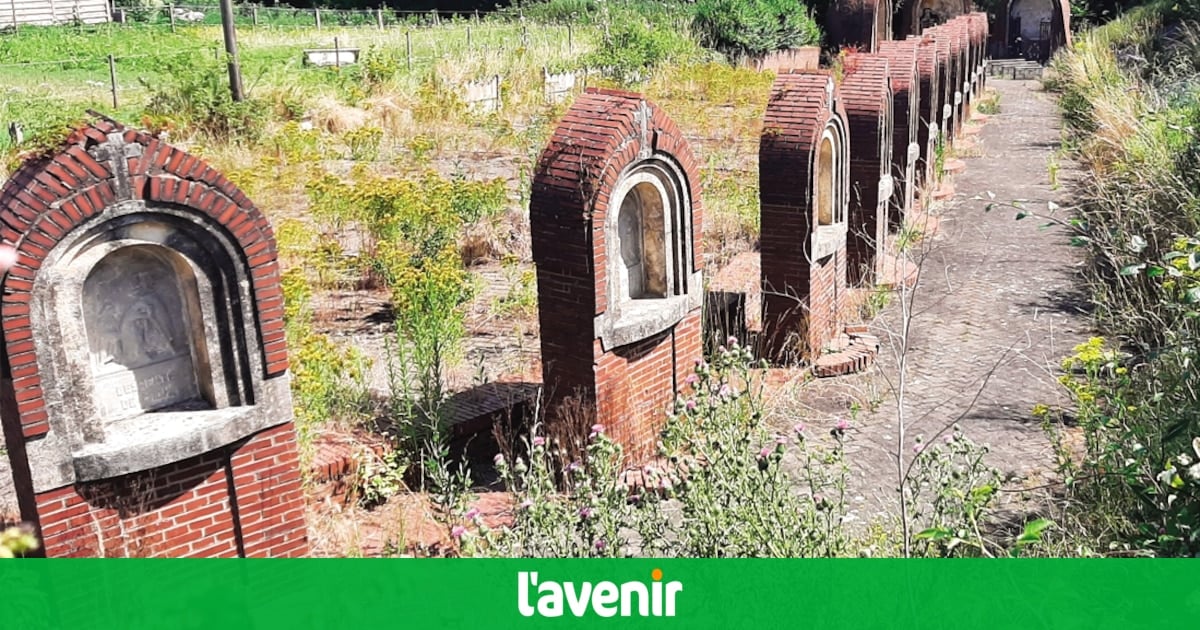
[997, 306]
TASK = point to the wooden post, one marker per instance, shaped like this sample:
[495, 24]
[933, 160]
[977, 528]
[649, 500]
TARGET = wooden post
[570, 38]
[112, 78]
[525, 36]
[254, 14]
[468, 38]
[337, 54]
[317, 15]
[230, 34]
[171, 9]
[379, 17]
[408, 48]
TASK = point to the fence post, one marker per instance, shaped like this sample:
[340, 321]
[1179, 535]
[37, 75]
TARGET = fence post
[112, 78]
[317, 15]
[468, 38]
[254, 14]
[171, 10]
[525, 36]
[379, 17]
[337, 54]
[570, 38]
[408, 48]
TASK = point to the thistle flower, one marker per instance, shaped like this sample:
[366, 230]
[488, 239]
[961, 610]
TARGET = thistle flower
[539, 441]
[458, 531]
[586, 512]
[471, 514]
[600, 544]
[597, 429]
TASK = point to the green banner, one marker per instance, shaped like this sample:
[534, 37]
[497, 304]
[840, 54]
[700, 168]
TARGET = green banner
[599, 594]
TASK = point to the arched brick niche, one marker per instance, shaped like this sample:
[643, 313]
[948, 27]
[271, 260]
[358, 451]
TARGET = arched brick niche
[615, 217]
[905, 85]
[979, 42]
[960, 47]
[929, 73]
[867, 94]
[803, 189]
[145, 393]
[1023, 19]
[947, 81]
[918, 16]
[858, 24]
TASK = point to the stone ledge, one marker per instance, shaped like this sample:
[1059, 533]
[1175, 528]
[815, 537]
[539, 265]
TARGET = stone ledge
[159, 438]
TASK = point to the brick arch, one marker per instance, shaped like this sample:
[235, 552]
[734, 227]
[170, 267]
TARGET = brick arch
[960, 46]
[867, 93]
[99, 165]
[906, 88]
[802, 292]
[859, 24]
[929, 113]
[628, 386]
[947, 64]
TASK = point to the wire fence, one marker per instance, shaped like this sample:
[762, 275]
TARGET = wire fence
[120, 78]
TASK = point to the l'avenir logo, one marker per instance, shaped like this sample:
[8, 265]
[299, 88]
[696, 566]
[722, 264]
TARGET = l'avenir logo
[548, 598]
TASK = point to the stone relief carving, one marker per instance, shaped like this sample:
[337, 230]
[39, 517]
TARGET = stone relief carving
[138, 334]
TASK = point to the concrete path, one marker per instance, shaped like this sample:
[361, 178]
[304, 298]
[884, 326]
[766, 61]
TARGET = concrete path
[997, 306]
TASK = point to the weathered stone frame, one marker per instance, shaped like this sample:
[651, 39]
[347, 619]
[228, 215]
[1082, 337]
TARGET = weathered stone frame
[867, 93]
[620, 361]
[905, 85]
[803, 269]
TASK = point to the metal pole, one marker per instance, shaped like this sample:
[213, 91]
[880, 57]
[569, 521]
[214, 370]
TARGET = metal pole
[112, 78]
[235, 70]
[317, 14]
[379, 17]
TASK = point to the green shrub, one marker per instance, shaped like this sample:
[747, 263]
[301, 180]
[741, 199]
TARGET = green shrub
[631, 49]
[752, 28]
[195, 92]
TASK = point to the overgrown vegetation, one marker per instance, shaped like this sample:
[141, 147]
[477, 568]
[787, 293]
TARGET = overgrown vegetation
[724, 486]
[1131, 102]
[752, 28]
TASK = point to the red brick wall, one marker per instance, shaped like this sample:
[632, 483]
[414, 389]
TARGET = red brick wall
[866, 91]
[628, 388]
[906, 122]
[800, 296]
[186, 509]
[183, 508]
